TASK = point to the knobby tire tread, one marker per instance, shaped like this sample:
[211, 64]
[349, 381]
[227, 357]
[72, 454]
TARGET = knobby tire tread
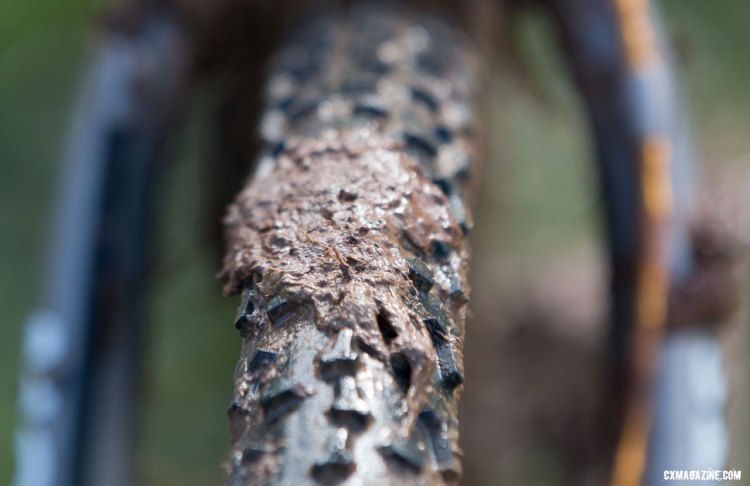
[348, 250]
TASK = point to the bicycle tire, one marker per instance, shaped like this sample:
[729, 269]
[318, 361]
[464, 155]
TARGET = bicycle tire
[348, 247]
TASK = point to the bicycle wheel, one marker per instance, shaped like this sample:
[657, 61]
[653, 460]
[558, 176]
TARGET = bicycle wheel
[348, 248]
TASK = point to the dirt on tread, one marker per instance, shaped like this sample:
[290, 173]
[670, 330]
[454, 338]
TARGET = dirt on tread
[349, 249]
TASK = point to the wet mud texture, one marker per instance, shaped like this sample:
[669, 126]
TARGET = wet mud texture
[348, 249]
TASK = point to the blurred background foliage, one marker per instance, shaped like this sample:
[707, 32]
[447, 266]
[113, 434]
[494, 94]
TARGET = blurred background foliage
[536, 226]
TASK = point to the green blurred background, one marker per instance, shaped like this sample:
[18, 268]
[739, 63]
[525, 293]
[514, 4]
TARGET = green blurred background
[536, 233]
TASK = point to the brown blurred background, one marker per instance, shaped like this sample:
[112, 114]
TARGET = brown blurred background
[533, 344]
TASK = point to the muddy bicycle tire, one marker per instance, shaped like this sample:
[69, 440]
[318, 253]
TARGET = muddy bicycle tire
[348, 249]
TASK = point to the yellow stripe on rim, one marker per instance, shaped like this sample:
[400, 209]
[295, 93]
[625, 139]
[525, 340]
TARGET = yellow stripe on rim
[651, 308]
[653, 278]
[630, 460]
[637, 31]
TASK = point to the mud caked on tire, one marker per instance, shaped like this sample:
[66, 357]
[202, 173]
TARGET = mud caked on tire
[348, 249]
